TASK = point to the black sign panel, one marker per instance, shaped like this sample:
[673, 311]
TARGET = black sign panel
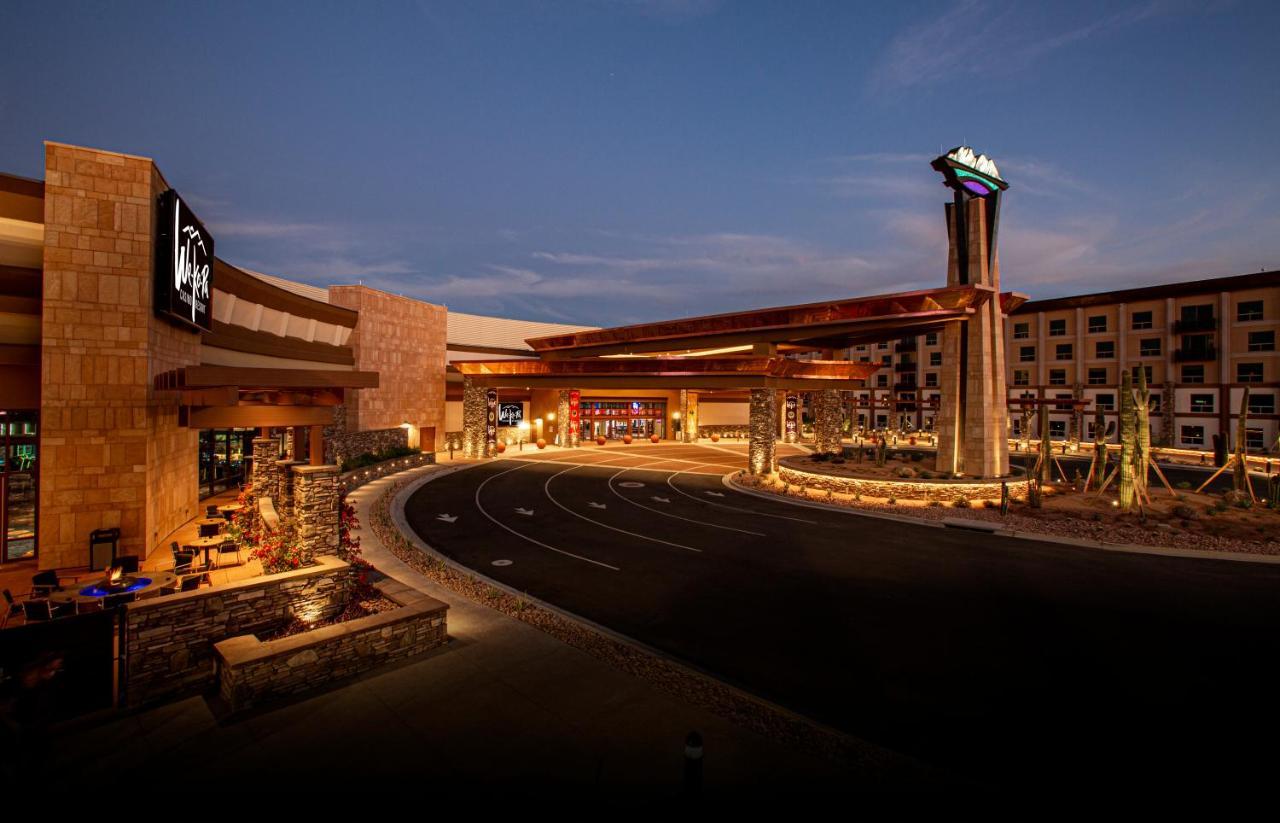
[184, 266]
[510, 414]
[491, 419]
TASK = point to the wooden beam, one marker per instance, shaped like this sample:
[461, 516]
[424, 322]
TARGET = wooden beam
[255, 378]
[252, 417]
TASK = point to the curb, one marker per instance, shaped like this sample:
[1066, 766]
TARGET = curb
[1019, 534]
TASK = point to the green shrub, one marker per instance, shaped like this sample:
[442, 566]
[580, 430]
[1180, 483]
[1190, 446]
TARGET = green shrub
[371, 458]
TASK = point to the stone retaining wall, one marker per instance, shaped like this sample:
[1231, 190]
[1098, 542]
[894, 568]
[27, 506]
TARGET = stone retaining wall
[169, 640]
[345, 446]
[250, 671]
[944, 491]
[356, 478]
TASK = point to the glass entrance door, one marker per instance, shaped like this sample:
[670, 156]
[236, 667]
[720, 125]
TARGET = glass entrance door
[18, 485]
[613, 419]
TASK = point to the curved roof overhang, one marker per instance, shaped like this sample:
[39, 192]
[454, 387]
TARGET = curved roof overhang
[831, 324]
[669, 372]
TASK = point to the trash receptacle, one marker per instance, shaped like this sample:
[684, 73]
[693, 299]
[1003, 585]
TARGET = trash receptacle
[102, 548]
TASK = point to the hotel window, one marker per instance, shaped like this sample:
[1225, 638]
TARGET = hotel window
[1065, 404]
[1058, 429]
[865, 358]
[882, 380]
[1201, 313]
[1202, 403]
[1146, 372]
[1248, 372]
[935, 358]
[1149, 347]
[882, 346]
[1141, 320]
[1097, 324]
[1027, 354]
[1193, 435]
[1262, 404]
[1193, 374]
[931, 339]
[1057, 377]
[861, 348]
[1262, 341]
[1105, 402]
[1064, 351]
[1253, 440]
[1097, 377]
[1104, 349]
[1249, 310]
[1057, 328]
[1154, 404]
[886, 359]
[931, 378]
[1017, 426]
[1021, 331]
[1021, 377]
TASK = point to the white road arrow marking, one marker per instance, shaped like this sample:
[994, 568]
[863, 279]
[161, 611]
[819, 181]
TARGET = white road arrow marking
[595, 505]
[662, 499]
[448, 518]
[715, 494]
[525, 512]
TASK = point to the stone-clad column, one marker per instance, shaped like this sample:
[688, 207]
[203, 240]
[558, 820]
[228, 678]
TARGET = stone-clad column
[264, 461]
[826, 421]
[762, 448]
[688, 416]
[315, 505]
[474, 417]
[283, 496]
[562, 420]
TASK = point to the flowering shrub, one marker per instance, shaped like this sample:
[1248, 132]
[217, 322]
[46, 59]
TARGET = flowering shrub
[279, 551]
[348, 544]
[241, 526]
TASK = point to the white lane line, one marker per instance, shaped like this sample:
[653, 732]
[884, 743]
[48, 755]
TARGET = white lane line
[671, 477]
[546, 487]
[669, 514]
[502, 525]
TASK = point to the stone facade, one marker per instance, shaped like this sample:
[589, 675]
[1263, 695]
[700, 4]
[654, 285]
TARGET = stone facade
[111, 451]
[689, 430]
[251, 671]
[358, 477]
[402, 339]
[475, 412]
[762, 451]
[943, 491]
[168, 641]
[826, 421]
[562, 420]
[284, 485]
[315, 508]
[265, 454]
[353, 444]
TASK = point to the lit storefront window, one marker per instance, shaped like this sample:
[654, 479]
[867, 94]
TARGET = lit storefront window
[19, 472]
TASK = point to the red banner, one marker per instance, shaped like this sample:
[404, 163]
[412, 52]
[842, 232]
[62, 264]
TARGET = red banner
[575, 416]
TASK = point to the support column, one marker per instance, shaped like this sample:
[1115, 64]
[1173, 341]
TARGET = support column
[688, 416]
[283, 495]
[826, 421]
[562, 421]
[264, 457]
[474, 415]
[315, 493]
[316, 445]
[762, 453]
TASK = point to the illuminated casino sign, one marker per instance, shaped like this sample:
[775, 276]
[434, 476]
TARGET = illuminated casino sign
[184, 266]
[973, 173]
[510, 414]
[491, 418]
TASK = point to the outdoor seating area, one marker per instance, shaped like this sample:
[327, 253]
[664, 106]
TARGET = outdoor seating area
[199, 553]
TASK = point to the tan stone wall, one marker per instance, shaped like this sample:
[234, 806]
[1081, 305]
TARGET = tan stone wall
[111, 451]
[404, 341]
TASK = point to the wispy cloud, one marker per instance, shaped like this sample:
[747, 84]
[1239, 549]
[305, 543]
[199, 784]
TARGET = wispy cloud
[982, 38]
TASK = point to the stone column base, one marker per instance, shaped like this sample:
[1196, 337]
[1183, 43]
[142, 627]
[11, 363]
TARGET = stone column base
[315, 508]
[762, 452]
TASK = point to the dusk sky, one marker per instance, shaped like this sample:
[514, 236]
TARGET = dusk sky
[611, 162]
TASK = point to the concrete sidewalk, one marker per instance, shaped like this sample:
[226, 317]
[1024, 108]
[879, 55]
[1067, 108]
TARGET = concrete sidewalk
[503, 705]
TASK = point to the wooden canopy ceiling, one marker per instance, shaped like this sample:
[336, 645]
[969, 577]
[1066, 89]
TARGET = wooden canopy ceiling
[668, 372]
[231, 396]
[833, 324]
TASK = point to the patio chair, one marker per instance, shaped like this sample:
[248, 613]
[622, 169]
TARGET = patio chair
[44, 583]
[128, 563]
[41, 608]
[210, 529]
[183, 562]
[191, 582]
[11, 607]
[114, 601]
[227, 547]
[211, 511]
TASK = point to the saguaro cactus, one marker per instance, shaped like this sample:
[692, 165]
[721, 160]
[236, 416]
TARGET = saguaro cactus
[1098, 469]
[1143, 451]
[1240, 475]
[1128, 436]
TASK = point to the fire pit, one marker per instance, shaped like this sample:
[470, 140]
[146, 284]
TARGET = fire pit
[116, 582]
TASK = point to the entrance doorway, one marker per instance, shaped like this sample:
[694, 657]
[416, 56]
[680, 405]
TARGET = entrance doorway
[612, 419]
[224, 457]
[18, 485]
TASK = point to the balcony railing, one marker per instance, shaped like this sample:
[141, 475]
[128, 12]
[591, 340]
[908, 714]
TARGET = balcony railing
[905, 346]
[1195, 325]
[901, 367]
[1197, 355]
[901, 387]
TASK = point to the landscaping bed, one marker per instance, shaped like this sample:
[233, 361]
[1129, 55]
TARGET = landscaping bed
[365, 600]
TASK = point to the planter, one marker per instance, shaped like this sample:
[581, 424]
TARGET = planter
[653, 438]
[626, 438]
[715, 438]
[542, 444]
[500, 448]
[600, 441]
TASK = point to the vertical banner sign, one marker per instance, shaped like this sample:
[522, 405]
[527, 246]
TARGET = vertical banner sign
[184, 266]
[491, 421]
[575, 416]
[792, 407]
